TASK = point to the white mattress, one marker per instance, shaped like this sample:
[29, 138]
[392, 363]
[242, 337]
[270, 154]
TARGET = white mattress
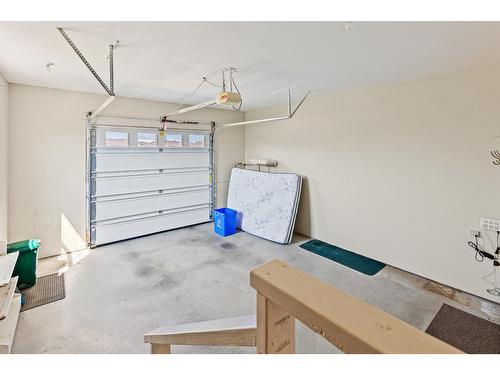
[267, 203]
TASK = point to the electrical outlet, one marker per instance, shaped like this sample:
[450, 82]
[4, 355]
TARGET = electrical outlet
[490, 224]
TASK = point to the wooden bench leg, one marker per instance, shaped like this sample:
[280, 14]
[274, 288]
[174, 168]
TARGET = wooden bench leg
[275, 328]
[160, 349]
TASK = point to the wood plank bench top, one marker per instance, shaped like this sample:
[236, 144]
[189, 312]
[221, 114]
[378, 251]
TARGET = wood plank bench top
[350, 324]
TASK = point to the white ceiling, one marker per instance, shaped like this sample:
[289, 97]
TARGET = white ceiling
[166, 60]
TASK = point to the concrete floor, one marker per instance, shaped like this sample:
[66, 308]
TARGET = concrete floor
[120, 291]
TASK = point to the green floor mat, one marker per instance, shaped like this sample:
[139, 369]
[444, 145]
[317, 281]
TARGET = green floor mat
[345, 257]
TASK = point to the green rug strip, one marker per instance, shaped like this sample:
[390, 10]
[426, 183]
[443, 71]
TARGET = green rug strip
[347, 258]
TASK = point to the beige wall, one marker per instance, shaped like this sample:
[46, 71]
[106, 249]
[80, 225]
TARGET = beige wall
[400, 173]
[4, 97]
[47, 160]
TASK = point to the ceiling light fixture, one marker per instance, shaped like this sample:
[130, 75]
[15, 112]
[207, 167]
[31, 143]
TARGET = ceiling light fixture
[226, 97]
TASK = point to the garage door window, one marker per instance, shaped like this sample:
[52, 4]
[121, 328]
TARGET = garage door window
[146, 139]
[173, 140]
[114, 139]
[196, 140]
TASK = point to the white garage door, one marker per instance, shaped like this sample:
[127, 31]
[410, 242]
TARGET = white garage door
[144, 181]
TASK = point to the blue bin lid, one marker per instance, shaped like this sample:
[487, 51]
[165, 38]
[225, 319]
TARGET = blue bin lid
[226, 211]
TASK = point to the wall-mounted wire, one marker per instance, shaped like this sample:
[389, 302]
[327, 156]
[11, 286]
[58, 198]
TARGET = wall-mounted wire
[479, 254]
[497, 251]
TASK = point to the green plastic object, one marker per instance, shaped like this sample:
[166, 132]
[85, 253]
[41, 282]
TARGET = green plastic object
[25, 245]
[25, 266]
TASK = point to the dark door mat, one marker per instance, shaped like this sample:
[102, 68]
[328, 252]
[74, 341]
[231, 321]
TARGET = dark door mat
[47, 289]
[347, 258]
[465, 331]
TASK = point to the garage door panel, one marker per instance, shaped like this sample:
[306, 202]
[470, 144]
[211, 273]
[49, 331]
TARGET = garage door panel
[130, 206]
[145, 183]
[118, 231]
[135, 190]
[160, 160]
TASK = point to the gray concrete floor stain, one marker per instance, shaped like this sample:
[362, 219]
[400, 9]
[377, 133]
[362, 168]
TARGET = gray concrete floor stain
[227, 245]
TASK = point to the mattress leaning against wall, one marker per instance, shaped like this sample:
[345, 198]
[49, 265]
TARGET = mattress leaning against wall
[267, 203]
